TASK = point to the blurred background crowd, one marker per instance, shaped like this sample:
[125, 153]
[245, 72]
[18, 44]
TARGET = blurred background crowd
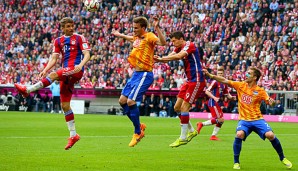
[235, 34]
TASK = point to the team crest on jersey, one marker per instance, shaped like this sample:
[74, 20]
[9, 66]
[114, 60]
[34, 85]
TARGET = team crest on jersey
[255, 93]
[73, 42]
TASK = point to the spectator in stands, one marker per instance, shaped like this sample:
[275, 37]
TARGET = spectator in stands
[167, 82]
[47, 102]
[143, 107]
[179, 80]
[160, 103]
[152, 105]
[278, 109]
[169, 107]
[37, 101]
[55, 89]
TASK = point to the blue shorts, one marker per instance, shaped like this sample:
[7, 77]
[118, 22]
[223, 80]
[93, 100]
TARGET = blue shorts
[138, 85]
[259, 126]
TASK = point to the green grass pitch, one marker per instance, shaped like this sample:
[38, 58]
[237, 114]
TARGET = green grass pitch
[35, 142]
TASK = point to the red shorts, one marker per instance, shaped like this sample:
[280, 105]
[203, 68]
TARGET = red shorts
[190, 91]
[216, 111]
[68, 79]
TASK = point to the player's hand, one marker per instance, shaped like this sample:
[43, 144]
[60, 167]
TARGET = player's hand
[271, 101]
[206, 72]
[157, 58]
[77, 68]
[42, 74]
[156, 22]
[216, 99]
[234, 98]
[116, 33]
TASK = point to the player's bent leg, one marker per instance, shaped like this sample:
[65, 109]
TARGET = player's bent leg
[135, 118]
[69, 118]
[185, 123]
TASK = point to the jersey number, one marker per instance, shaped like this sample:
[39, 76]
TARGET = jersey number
[246, 99]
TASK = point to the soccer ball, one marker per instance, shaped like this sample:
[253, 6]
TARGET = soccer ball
[91, 5]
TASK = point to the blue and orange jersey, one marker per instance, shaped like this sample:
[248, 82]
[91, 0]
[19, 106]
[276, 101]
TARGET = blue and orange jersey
[71, 48]
[143, 51]
[192, 62]
[218, 90]
[249, 100]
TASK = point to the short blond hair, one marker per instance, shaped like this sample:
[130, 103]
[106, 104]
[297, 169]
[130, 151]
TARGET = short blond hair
[142, 21]
[66, 20]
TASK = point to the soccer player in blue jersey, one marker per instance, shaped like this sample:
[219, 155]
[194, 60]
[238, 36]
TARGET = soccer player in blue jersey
[141, 58]
[75, 53]
[250, 96]
[191, 89]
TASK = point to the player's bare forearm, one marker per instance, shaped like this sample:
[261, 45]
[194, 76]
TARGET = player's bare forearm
[172, 57]
[51, 63]
[219, 79]
[216, 77]
[126, 37]
[161, 36]
[86, 58]
[209, 94]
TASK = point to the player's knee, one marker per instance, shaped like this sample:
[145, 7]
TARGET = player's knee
[53, 76]
[122, 100]
[269, 135]
[221, 120]
[65, 107]
[240, 134]
[177, 108]
[130, 102]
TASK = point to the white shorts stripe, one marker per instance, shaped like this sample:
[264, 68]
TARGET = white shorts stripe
[216, 111]
[139, 86]
[195, 91]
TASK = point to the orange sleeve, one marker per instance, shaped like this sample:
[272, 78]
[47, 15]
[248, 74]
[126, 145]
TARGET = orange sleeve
[265, 96]
[153, 38]
[235, 84]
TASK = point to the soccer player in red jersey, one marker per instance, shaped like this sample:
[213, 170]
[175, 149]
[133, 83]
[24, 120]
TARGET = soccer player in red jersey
[214, 92]
[250, 97]
[75, 53]
[192, 88]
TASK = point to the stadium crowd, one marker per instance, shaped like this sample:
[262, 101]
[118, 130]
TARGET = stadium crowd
[235, 34]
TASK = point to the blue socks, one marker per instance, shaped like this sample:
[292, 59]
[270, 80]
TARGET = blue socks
[277, 146]
[135, 118]
[126, 110]
[237, 148]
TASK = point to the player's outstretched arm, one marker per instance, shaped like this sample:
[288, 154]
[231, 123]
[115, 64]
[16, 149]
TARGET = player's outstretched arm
[51, 63]
[209, 94]
[230, 97]
[162, 39]
[216, 77]
[126, 37]
[171, 57]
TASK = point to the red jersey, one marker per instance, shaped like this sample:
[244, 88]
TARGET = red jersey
[71, 48]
